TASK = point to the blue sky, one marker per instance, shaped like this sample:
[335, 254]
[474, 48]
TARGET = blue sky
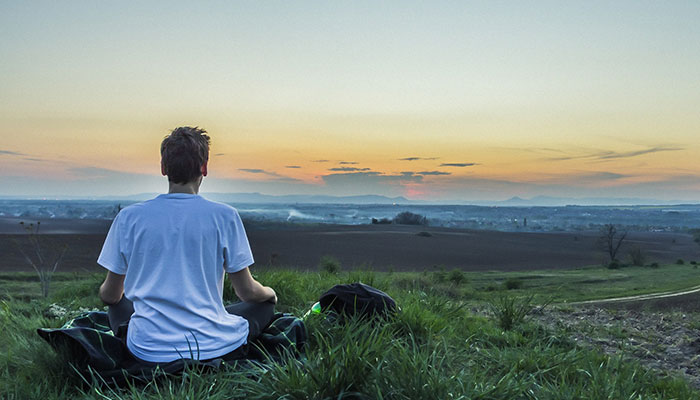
[557, 98]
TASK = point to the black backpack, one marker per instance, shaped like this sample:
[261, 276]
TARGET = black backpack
[357, 299]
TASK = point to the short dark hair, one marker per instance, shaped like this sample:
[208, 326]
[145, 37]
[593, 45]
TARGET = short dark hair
[183, 152]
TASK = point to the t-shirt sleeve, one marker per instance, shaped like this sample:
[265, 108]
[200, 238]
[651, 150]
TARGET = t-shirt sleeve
[111, 257]
[237, 253]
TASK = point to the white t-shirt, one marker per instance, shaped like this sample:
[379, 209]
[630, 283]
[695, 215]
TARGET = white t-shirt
[174, 250]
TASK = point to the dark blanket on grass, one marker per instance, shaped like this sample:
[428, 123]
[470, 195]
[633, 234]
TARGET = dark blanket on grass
[93, 348]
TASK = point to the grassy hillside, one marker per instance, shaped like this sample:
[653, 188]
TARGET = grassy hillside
[437, 347]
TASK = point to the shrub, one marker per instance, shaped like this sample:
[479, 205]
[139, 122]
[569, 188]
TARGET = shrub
[440, 275]
[637, 257]
[615, 264]
[654, 265]
[329, 264]
[693, 262]
[456, 276]
[511, 311]
[409, 218]
[513, 283]
[680, 261]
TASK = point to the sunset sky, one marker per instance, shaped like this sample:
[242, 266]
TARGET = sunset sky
[444, 101]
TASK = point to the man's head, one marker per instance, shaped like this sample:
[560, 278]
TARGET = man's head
[184, 154]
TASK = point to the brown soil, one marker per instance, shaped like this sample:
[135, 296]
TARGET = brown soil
[380, 247]
[666, 341]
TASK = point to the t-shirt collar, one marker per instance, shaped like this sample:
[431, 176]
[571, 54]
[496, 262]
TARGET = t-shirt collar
[178, 195]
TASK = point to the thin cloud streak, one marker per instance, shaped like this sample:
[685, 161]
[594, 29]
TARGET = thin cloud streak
[425, 173]
[614, 155]
[292, 166]
[27, 157]
[348, 169]
[608, 175]
[348, 163]
[433, 173]
[459, 165]
[418, 158]
[259, 171]
[11, 153]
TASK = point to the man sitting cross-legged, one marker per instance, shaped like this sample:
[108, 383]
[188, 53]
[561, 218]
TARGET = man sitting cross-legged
[167, 258]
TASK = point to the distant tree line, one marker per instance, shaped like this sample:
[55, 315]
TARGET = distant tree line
[403, 218]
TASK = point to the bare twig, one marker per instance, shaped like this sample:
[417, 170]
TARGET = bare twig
[41, 266]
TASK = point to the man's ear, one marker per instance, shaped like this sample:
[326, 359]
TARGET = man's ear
[162, 168]
[204, 168]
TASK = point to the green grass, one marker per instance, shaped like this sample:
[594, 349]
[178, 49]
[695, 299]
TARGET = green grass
[435, 348]
[588, 283]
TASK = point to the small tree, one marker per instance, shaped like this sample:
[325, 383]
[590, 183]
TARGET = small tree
[409, 218]
[40, 255]
[611, 240]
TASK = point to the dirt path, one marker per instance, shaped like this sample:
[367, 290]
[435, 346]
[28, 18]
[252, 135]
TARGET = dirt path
[641, 297]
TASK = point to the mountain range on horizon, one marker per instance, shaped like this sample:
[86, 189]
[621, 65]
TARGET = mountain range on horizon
[552, 201]
[516, 201]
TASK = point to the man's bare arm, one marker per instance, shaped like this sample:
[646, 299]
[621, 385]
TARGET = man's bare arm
[249, 290]
[112, 289]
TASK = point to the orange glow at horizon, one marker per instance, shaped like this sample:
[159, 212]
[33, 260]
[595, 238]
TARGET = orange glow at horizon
[484, 100]
[378, 149]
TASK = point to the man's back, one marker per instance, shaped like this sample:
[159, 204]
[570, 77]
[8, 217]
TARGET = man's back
[174, 251]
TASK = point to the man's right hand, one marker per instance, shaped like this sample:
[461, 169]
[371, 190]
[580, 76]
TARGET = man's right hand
[273, 299]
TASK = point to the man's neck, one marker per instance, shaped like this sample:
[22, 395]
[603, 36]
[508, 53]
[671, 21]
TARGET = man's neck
[189, 187]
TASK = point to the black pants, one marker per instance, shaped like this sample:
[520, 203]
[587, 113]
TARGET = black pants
[258, 315]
